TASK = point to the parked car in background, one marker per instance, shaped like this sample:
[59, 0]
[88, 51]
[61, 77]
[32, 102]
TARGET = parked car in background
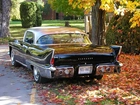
[63, 52]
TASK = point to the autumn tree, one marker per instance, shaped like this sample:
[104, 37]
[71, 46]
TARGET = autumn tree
[99, 7]
[64, 7]
[5, 6]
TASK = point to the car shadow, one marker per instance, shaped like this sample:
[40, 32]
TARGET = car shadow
[68, 81]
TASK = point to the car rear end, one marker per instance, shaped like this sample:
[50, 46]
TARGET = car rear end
[74, 55]
[86, 64]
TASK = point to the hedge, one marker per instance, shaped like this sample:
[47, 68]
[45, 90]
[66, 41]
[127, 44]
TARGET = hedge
[120, 33]
[30, 13]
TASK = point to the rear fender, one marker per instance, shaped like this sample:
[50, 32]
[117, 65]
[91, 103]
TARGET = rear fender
[116, 51]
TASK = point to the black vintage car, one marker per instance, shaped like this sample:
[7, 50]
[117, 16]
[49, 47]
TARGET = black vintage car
[63, 52]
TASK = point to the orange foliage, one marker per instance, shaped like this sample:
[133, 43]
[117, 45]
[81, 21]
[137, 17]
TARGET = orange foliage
[128, 79]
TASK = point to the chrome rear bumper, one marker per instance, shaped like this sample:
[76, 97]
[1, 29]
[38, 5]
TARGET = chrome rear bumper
[107, 69]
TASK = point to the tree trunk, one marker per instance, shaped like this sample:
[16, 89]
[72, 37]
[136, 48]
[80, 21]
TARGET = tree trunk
[98, 24]
[5, 6]
[67, 24]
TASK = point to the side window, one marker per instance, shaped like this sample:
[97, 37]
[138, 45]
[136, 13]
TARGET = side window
[46, 39]
[29, 38]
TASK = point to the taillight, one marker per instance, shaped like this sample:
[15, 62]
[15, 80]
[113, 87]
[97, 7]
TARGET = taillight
[52, 61]
[117, 51]
[117, 58]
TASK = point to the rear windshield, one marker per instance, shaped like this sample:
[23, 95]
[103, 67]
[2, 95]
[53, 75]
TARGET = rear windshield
[63, 38]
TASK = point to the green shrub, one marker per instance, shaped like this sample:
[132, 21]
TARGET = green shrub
[120, 33]
[38, 15]
[28, 14]
[15, 13]
[31, 14]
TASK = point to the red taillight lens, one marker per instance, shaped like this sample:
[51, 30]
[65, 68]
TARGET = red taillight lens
[117, 58]
[52, 61]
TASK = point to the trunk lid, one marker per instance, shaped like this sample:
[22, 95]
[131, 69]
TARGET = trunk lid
[80, 48]
[82, 54]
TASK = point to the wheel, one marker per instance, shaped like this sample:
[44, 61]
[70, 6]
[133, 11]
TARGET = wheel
[13, 61]
[37, 77]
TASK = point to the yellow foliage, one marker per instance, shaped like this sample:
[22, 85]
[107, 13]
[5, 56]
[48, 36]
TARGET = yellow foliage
[107, 5]
[112, 6]
[135, 20]
[123, 2]
[51, 2]
[86, 4]
[131, 6]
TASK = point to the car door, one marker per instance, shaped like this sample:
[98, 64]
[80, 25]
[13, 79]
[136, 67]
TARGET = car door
[27, 42]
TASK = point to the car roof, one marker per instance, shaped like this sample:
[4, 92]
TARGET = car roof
[55, 29]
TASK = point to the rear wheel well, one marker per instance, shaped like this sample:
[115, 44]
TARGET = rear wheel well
[32, 67]
[10, 49]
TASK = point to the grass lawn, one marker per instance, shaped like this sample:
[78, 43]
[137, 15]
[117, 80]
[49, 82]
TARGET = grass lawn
[17, 31]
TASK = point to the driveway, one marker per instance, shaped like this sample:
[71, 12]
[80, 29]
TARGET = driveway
[16, 85]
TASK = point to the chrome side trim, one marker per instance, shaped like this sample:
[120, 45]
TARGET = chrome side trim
[21, 63]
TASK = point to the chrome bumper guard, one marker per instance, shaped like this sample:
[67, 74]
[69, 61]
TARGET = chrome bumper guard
[107, 69]
[58, 72]
[61, 72]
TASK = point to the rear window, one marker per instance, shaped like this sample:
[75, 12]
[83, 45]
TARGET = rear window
[63, 38]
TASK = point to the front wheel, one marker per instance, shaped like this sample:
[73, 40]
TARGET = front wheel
[37, 77]
[13, 61]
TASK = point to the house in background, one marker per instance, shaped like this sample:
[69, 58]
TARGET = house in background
[49, 14]
[52, 15]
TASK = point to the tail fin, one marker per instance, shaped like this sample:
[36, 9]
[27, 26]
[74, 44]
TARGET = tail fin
[116, 50]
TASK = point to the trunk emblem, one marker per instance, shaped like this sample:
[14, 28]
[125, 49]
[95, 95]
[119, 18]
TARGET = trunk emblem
[85, 58]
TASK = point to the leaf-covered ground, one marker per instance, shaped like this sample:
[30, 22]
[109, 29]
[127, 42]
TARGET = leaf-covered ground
[115, 89]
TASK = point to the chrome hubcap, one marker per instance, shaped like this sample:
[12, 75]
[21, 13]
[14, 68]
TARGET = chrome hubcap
[36, 74]
[12, 59]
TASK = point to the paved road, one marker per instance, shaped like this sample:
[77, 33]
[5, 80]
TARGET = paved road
[15, 88]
